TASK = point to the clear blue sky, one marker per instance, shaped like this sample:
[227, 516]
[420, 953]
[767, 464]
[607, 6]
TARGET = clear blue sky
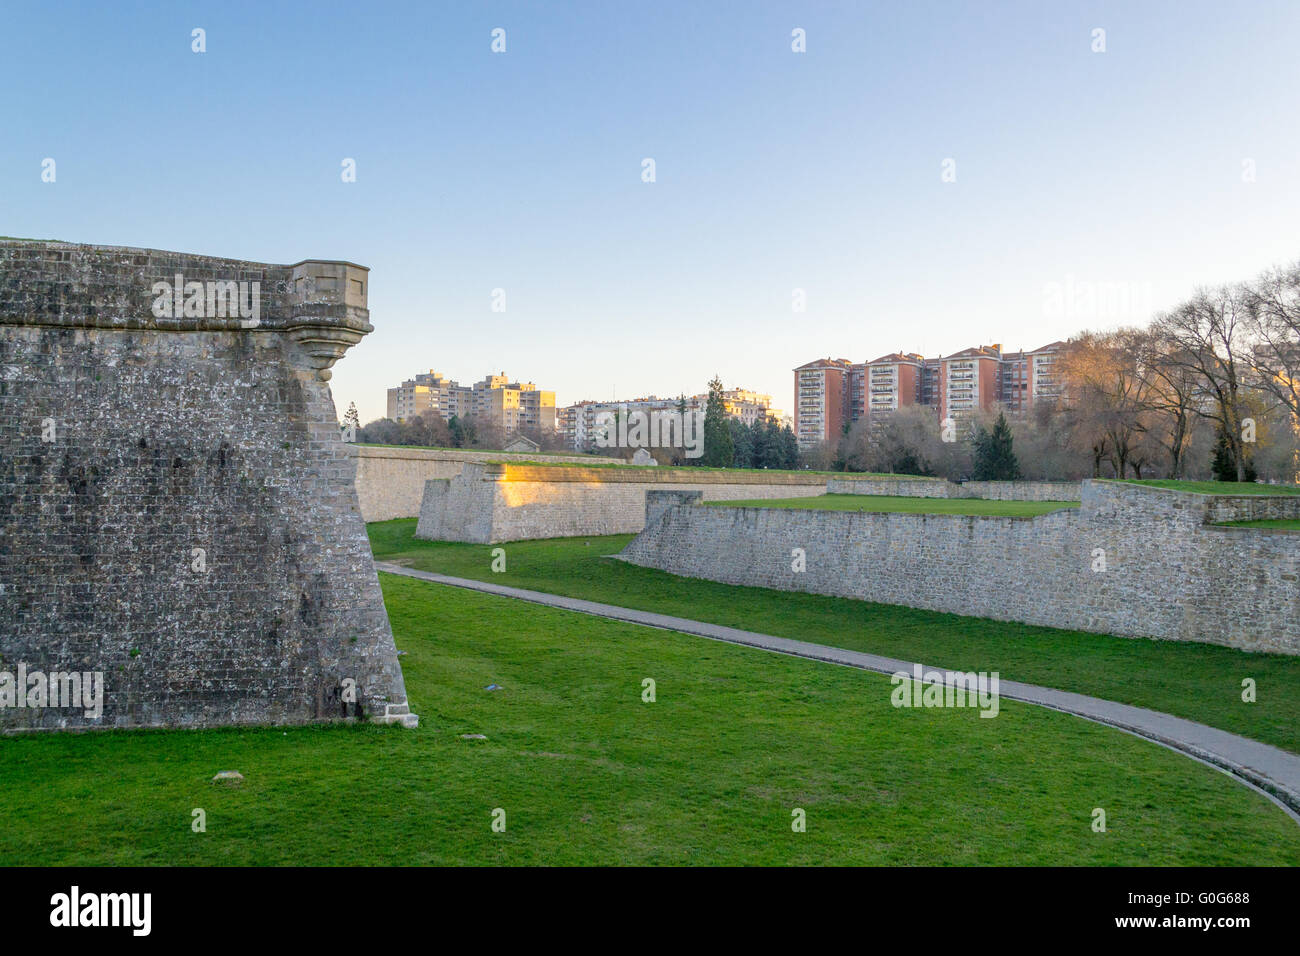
[775, 170]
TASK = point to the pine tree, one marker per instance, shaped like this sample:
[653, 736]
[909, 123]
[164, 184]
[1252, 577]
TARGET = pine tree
[995, 459]
[761, 442]
[742, 442]
[718, 449]
[462, 432]
[688, 424]
[908, 464]
[789, 449]
[1223, 464]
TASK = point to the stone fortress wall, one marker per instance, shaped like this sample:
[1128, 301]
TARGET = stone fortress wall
[1169, 572]
[491, 503]
[390, 480]
[910, 487]
[177, 508]
[497, 501]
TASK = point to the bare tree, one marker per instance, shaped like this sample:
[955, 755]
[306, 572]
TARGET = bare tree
[1273, 307]
[1170, 392]
[819, 457]
[1208, 338]
[1046, 447]
[1109, 396]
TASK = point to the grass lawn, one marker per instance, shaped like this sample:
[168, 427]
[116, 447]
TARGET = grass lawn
[930, 506]
[1217, 487]
[589, 774]
[1198, 681]
[1282, 524]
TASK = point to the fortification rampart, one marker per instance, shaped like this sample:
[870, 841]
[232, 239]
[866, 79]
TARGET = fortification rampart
[910, 487]
[177, 510]
[1132, 560]
[503, 502]
[390, 480]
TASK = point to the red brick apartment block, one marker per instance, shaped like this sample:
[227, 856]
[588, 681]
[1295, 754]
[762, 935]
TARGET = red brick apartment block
[821, 400]
[829, 392]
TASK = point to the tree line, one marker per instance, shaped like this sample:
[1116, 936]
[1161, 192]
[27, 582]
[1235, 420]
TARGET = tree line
[728, 441]
[431, 430]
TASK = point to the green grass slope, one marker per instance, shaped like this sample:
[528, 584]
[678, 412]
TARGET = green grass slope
[1201, 682]
[588, 773]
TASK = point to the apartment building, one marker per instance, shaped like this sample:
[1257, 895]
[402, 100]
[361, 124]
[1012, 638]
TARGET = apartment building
[829, 392]
[1016, 374]
[969, 380]
[856, 402]
[577, 422]
[1028, 377]
[512, 406]
[741, 403]
[571, 423]
[892, 382]
[1045, 385]
[493, 401]
[821, 400]
[428, 392]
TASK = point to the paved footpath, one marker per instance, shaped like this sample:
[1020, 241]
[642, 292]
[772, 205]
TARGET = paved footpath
[1269, 769]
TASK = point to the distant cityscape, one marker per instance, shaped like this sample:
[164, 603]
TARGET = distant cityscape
[830, 394]
[521, 407]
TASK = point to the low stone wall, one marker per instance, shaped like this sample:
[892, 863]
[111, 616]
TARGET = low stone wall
[904, 487]
[492, 503]
[1132, 560]
[912, 487]
[1022, 490]
[1223, 508]
[390, 480]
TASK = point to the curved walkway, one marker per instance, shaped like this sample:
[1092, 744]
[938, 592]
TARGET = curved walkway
[1274, 772]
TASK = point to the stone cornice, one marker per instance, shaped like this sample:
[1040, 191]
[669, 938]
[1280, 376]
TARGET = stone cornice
[320, 303]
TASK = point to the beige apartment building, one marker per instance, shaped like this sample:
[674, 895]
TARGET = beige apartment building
[494, 401]
[428, 392]
[741, 403]
[512, 406]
